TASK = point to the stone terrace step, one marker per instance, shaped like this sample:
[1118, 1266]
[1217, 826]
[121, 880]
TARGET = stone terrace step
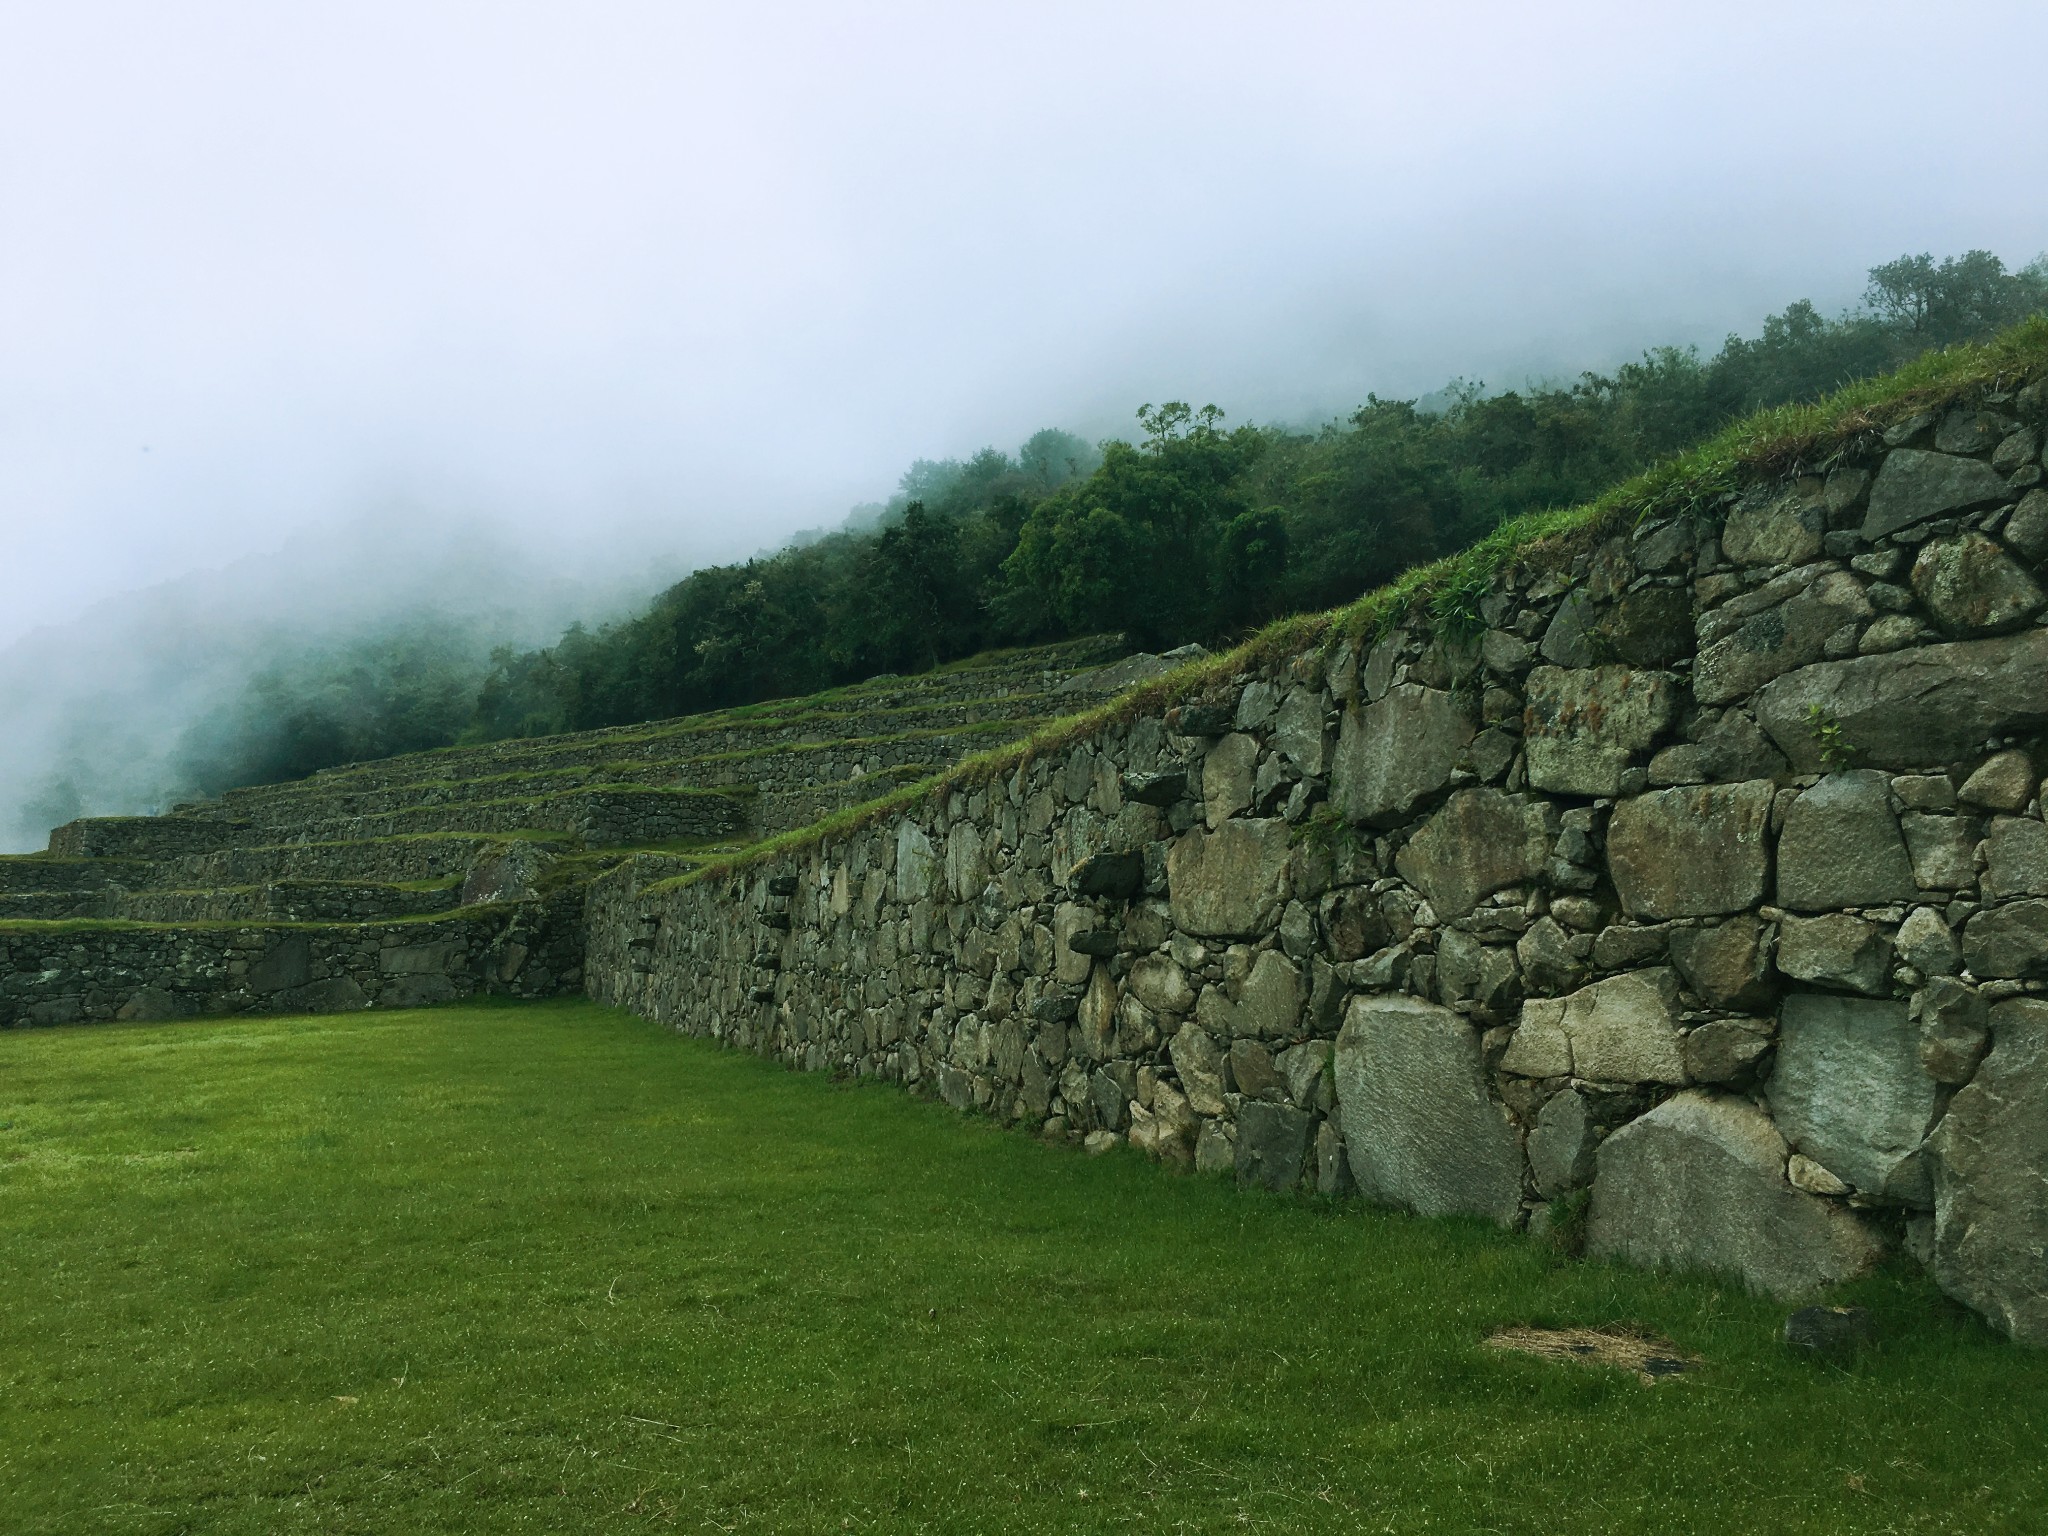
[75, 972]
[423, 856]
[51, 906]
[695, 752]
[612, 816]
[786, 767]
[1013, 685]
[23, 874]
[143, 837]
[296, 901]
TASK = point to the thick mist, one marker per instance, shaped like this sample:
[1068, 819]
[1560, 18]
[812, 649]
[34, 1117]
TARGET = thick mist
[592, 295]
[107, 714]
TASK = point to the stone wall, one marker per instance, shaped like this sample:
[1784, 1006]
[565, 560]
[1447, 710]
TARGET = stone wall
[93, 973]
[1694, 889]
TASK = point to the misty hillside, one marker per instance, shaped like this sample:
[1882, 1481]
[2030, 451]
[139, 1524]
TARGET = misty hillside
[1199, 530]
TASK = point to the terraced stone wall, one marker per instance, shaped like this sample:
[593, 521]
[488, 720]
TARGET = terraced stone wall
[97, 972]
[1694, 891]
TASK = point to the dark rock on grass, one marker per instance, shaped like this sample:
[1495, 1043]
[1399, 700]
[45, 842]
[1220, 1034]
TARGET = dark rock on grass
[1833, 1334]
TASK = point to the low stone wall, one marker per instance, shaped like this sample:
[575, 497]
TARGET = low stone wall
[23, 874]
[1697, 890]
[1034, 684]
[295, 901]
[142, 837]
[68, 975]
[419, 857]
[601, 817]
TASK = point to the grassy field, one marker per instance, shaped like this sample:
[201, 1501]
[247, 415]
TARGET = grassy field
[547, 1268]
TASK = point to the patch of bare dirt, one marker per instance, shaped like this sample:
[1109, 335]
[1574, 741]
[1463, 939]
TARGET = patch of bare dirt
[1652, 1357]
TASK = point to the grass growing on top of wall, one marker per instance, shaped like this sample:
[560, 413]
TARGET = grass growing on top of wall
[550, 1268]
[1781, 440]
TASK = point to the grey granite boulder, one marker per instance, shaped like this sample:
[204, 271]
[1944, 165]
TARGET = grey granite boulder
[1697, 851]
[1943, 850]
[2004, 781]
[1775, 527]
[1583, 729]
[1699, 1183]
[1849, 1092]
[1421, 1130]
[1972, 586]
[1227, 777]
[1779, 639]
[1727, 964]
[1394, 754]
[1990, 1166]
[1232, 882]
[1914, 485]
[1482, 841]
[2008, 942]
[1920, 708]
[1836, 949]
[2016, 858]
[1265, 1004]
[1621, 1030]
[1561, 1145]
[1272, 1144]
[1841, 846]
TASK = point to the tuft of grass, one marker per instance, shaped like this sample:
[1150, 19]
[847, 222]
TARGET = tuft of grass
[551, 1268]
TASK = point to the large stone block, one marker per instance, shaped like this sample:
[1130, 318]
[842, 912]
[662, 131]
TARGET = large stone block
[1200, 1067]
[1562, 1145]
[1583, 729]
[1697, 851]
[1837, 949]
[1272, 1144]
[1699, 1183]
[1160, 984]
[916, 864]
[1482, 841]
[1394, 754]
[1943, 849]
[1972, 586]
[1299, 734]
[1842, 847]
[1848, 1091]
[1421, 1129]
[1621, 1030]
[2016, 858]
[1989, 1160]
[1790, 635]
[287, 963]
[2008, 943]
[1770, 527]
[1266, 1004]
[1727, 964]
[1230, 883]
[1920, 708]
[1227, 777]
[1914, 485]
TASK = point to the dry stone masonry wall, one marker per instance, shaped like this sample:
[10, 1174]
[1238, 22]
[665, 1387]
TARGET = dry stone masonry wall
[1697, 886]
[445, 874]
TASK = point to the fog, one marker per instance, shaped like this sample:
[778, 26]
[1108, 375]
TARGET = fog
[314, 314]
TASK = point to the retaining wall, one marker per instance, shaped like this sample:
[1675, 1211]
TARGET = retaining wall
[65, 975]
[1696, 886]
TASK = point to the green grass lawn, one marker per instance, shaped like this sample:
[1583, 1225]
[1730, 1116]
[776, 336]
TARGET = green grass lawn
[548, 1268]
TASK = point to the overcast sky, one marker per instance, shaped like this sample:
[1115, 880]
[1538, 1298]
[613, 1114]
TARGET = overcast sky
[634, 282]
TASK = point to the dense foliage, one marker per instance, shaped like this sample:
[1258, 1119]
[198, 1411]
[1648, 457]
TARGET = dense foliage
[1194, 532]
